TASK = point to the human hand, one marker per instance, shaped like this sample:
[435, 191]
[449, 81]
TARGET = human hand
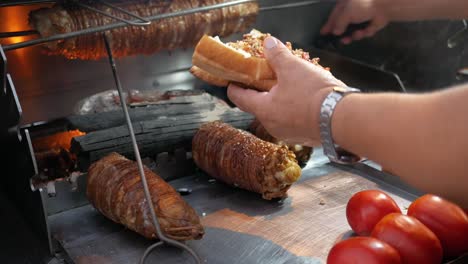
[354, 12]
[290, 111]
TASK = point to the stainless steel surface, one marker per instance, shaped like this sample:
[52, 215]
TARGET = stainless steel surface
[457, 38]
[39, 211]
[68, 196]
[240, 226]
[33, 159]
[141, 170]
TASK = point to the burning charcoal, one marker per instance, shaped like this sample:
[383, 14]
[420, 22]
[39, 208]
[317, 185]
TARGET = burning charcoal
[55, 163]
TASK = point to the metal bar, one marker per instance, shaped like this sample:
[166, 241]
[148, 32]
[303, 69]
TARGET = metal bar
[18, 33]
[159, 233]
[33, 159]
[42, 202]
[129, 22]
[31, 151]
[154, 18]
[3, 65]
[120, 24]
[145, 21]
[148, 252]
[293, 5]
[30, 2]
[14, 112]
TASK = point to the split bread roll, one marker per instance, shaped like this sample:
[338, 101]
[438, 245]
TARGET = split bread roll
[209, 78]
[242, 62]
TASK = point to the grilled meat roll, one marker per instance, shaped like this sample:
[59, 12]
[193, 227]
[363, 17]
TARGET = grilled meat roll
[302, 153]
[239, 158]
[165, 34]
[114, 188]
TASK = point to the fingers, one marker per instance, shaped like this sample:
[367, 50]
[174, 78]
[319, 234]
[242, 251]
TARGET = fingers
[247, 100]
[347, 12]
[334, 16]
[346, 40]
[357, 35]
[342, 23]
[376, 25]
[277, 54]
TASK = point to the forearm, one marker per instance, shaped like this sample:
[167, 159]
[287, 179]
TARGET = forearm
[421, 138]
[411, 10]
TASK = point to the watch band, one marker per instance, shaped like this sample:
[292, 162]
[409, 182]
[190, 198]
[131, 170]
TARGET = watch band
[330, 149]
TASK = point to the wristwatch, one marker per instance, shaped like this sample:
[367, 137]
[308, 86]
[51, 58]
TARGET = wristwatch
[330, 149]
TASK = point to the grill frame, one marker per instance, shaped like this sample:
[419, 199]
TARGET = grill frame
[22, 142]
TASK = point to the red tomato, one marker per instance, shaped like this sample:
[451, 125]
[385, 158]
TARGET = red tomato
[363, 250]
[416, 243]
[366, 208]
[446, 219]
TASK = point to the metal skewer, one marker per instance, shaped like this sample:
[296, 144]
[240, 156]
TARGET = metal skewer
[119, 24]
[6, 3]
[144, 21]
[292, 5]
[18, 33]
[148, 198]
[154, 18]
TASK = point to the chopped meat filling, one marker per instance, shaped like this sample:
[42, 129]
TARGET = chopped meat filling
[252, 43]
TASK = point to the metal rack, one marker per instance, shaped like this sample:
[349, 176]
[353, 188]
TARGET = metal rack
[122, 22]
[151, 18]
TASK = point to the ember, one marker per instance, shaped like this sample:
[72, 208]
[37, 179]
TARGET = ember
[56, 141]
[53, 156]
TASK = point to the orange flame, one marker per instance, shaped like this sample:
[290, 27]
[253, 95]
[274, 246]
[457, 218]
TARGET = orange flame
[56, 141]
[15, 18]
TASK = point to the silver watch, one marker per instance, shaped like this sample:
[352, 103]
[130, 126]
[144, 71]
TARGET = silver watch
[330, 149]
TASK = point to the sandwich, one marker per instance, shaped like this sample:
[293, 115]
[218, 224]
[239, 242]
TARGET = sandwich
[242, 62]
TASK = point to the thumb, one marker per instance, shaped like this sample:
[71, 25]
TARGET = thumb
[277, 54]
[247, 100]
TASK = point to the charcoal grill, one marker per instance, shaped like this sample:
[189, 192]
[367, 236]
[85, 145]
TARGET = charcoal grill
[241, 228]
